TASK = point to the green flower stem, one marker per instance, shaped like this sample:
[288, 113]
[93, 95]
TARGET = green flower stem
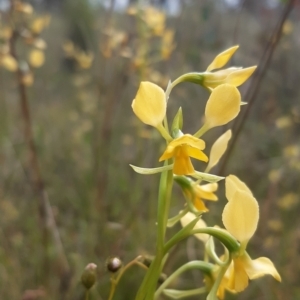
[87, 293]
[182, 78]
[148, 286]
[214, 290]
[203, 266]
[164, 132]
[202, 130]
[223, 236]
[115, 281]
[210, 250]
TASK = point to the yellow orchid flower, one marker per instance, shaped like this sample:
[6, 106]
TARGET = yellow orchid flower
[235, 76]
[196, 193]
[200, 193]
[222, 106]
[240, 218]
[182, 149]
[204, 191]
[211, 79]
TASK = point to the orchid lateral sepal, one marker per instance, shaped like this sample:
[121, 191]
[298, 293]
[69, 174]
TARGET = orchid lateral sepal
[150, 171]
[178, 294]
[207, 177]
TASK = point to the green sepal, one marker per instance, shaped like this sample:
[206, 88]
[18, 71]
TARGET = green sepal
[177, 123]
[207, 177]
[177, 294]
[150, 171]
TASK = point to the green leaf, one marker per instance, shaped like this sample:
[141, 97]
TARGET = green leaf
[207, 177]
[150, 171]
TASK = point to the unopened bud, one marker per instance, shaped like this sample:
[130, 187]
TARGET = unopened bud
[114, 264]
[89, 276]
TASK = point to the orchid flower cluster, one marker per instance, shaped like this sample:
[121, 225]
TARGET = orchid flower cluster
[231, 271]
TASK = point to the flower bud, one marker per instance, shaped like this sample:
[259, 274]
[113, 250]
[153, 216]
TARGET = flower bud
[114, 264]
[89, 275]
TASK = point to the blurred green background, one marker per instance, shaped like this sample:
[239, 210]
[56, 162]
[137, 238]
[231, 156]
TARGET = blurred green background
[79, 89]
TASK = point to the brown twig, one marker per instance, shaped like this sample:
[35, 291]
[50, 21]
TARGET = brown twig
[253, 89]
[46, 216]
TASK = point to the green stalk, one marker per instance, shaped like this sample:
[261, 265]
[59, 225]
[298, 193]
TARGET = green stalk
[203, 266]
[148, 286]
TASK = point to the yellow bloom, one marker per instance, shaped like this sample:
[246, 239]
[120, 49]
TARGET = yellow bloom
[234, 76]
[150, 104]
[222, 106]
[182, 149]
[240, 218]
[200, 192]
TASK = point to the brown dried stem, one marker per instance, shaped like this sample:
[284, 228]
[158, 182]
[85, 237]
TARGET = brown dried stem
[251, 94]
[46, 216]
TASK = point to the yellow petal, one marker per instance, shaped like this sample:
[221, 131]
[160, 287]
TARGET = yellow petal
[182, 163]
[188, 140]
[189, 217]
[232, 184]
[206, 191]
[222, 59]
[169, 153]
[209, 187]
[240, 216]
[218, 149]
[238, 77]
[199, 205]
[149, 104]
[240, 275]
[196, 153]
[36, 58]
[223, 105]
[259, 267]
